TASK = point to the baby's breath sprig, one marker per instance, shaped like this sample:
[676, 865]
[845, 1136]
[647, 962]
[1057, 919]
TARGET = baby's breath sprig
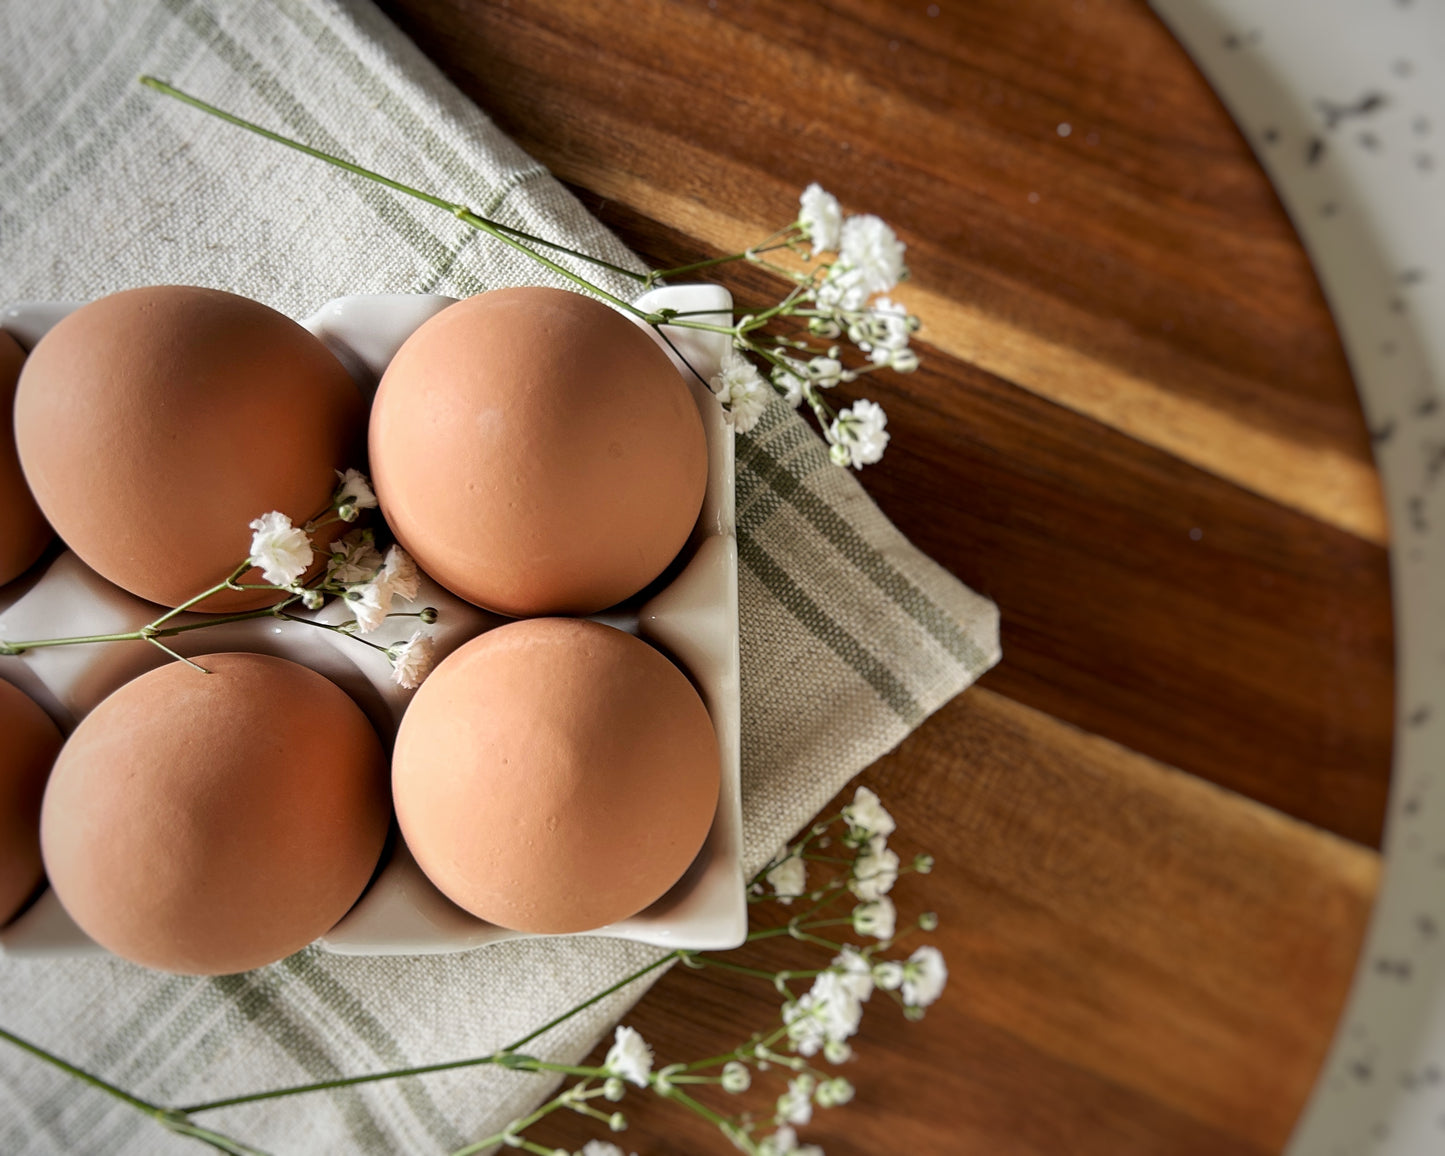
[356, 571]
[799, 1052]
[839, 269]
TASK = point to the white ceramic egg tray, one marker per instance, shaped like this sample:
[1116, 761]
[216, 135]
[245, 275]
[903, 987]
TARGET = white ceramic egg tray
[693, 618]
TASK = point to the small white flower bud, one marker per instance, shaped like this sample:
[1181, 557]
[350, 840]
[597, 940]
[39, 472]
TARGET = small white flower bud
[313, 599]
[832, 1093]
[888, 975]
[904, 361]
[347, 512]
[837, 1052]
[923, 864]
[617, 1122]
[735, 1077]
[428, 615]
[928, 921]
[614, 1090]
[840, 455]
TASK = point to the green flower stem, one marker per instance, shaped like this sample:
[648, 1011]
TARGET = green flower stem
[340, 629]
[150, 633]
[515, 1128]
[714, 1061]
[426, 1069]
[708, 1114]
[217, 1140]
[504, 233]
[588, 1110]
[189, 602]
[765, 246]
[601, 995]
[94, 1081]
[656, 276]
[758, 972]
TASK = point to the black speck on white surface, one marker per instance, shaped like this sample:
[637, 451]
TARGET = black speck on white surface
[1418, 522]
[1434, 461]
[1399, 969]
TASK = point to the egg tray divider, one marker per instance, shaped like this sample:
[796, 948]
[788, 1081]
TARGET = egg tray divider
[693, 618]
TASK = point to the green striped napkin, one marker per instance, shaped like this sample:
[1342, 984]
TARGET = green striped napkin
[850, 636]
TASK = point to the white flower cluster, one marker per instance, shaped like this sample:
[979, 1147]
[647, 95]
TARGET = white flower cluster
[787, 875]
[841, 296]
[353, 495]
[848, 300]
[741, 389]
[830, 1012]
[784, 1142]
[368, 580]
[600, 1148]
[629, 1058]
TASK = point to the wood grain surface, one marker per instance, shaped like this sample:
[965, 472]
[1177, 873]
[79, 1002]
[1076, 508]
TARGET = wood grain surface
[1156, 821]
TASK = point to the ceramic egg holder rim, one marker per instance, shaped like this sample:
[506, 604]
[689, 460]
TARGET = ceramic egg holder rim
[693, 618]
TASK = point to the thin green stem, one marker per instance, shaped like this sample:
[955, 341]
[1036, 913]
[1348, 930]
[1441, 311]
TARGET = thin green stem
[343, 1082]
[150, 632]
[159, 645]
[601, 995]
[740, 969]
[189, 602]
[81, 1074]
[504, 233]
[708, 1114]
[516, 1128]
[712, 262]
[216, 1140]
[427, 1069]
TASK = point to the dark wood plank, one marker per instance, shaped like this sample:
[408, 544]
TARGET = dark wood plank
[1139, 963]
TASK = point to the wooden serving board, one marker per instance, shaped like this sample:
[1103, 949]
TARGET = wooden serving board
[1156, 822]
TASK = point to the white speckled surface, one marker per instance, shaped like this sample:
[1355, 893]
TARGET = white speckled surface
[1344, 104]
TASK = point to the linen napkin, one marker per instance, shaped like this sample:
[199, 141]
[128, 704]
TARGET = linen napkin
[850, 637]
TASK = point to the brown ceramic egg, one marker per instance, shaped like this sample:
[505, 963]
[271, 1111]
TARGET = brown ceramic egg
[155, 424]
[27, 750]
[537, 452]
[212, 823]
[555, 775]
[24, 532]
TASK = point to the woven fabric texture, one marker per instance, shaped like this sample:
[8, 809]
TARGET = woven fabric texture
[850, 637]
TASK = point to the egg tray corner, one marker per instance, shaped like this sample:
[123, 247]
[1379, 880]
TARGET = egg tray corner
[691, 615]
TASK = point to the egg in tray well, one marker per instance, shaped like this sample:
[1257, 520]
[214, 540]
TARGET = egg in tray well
[689, 614]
